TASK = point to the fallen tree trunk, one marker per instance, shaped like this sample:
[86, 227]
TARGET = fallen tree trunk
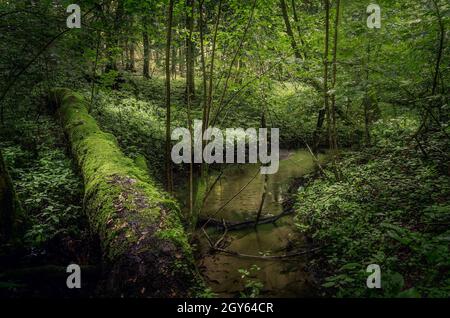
[145, 250]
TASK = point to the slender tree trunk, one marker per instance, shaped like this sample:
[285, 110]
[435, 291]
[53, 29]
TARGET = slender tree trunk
[299, 31]
[266, 177]
[324, 111]
[318, 130]
[289, 32]
[115, 36]
[132, 67]
[233, 61]
[438, 57]
[211, 69]
[202, 26]
[125, 61]
[325, 65]
[190, 48]
[146, 44]
[203, 63]
[333, 132]
[299, 55]
[189, 96]
[428, 110]
[367, 100]
[440, 47]
[182, 62]
[169, 179]
[94, 71]
[131, 60]
[173, 67]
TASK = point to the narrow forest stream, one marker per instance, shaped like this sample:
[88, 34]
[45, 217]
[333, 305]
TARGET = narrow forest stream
[285, 277]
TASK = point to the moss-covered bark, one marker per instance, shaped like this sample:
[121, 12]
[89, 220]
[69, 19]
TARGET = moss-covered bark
[144, 245]
[11, 214]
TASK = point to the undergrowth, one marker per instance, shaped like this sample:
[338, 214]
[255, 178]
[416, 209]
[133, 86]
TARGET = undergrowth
[391, 208]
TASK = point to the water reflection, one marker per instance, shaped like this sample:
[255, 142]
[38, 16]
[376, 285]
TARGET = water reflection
[281, 277]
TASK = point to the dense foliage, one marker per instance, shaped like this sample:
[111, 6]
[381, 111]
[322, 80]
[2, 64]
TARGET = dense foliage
[391, 209]
[376, 100]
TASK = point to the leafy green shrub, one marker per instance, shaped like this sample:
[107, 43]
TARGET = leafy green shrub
[390, 209]
[252, 286]
[44, 179]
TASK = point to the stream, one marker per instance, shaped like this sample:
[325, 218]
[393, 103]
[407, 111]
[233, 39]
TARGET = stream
[283, 277]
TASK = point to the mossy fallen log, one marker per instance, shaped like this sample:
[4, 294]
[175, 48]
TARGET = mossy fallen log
[144, 247]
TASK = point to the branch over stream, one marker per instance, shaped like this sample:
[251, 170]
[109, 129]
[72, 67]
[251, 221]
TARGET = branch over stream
[237, 225]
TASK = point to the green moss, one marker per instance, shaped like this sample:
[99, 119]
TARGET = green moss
[141, 162]
[121, 199]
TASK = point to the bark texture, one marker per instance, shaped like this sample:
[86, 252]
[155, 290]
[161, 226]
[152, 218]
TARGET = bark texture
[145, 250]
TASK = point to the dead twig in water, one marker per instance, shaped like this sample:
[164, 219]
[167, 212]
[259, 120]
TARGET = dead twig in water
[231, 199]
[207, 237]
[223, 235]
[316, 160]
[267, 257]
[210, 189]
[263, 257]
[232, 226]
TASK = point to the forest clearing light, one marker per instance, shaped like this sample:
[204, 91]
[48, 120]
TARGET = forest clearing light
[235, 139]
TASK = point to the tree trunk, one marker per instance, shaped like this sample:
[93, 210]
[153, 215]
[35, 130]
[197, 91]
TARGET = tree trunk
[132, 63]
[266, 177]
[440, 47]
[173, 67]
[169, 181]
[131, 59]
[202, 25]
[189, 96]
[289, 29]
[230, 67]
[115, 36]
[182, 62]
[318, 130]
[325, 65]
[299, 31]
[367, 100]
[333, 132]
[145, 251]
[190, 49]
[211, 68]
[145, 41]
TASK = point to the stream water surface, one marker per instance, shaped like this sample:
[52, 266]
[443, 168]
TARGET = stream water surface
[283, 277]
